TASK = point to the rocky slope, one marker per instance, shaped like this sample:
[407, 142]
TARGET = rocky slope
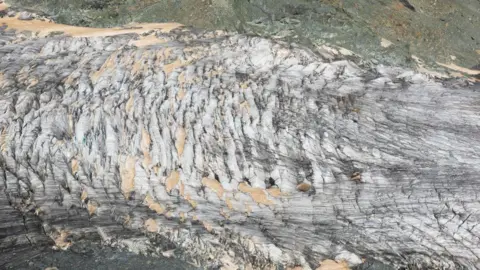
[392, 32]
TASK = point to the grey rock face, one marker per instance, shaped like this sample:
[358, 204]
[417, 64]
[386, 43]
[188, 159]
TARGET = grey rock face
[237, 150]
[25, 16]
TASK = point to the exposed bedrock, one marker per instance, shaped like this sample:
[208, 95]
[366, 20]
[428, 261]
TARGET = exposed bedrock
[237, 150]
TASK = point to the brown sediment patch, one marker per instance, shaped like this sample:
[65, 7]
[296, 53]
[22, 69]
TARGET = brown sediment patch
[275, 192]
[246, 106]
[304, 187]
[169, 68]
[145, 41]
[224, 214]
[127, 174]
[145, 146]
[190, 201]
[84, 196]
[2, 80]
[333, 265]
[127, 219]
[182, 217]
[92, 207]
[194, 218]
[207, 226]
[460, 69]
[166, 52]
[109, 64]
[70, 124]
[3, 140]
[61, 240]
[258, 195]
[229, 204]
[181, 83]
[43, 28]
[155, 169]
[214, 185]
[181, 93]
[151, 225]
[150, 202]
[3, 6]
[130, 102]
[172, 181]
[74, 166]
[248, 209]
[181, 78]
[140, 66]
[32, 82]
[180, 142]
[181, 188]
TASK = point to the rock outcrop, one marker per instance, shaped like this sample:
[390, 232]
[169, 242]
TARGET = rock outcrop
[236, 150]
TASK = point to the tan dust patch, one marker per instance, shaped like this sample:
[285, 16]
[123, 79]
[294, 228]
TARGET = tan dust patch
[169, 68]
[139, 66]
[33, 82]
[421, 68]
[275, 192]
[182, 188]
[151, 225]
[127, 219]
[181, 82]
[182, 216]
[190, 201]
[150, 202]
[127, 174]
[43, 28]
[145, 41]
[74, 166]
[214, 185]
[3, 6]
[457, 74]
[248, 209]
[181, 78]
[3, 140]
[257, 194]
[181, 94]
[478, 51]
[207, 226]
[180, 142]
[129, 105]
[108, 65]
[460, 69]
[84, 195]
[172, 181]
[304, 187]
[229, 204]
[92, 207]
[385, 43]
[246, 106]
[145, 146]
[61, 240]
[169, 214]
[224, 214]
[70, 124]
[166, 52]
[155, 170]
[333, 265]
